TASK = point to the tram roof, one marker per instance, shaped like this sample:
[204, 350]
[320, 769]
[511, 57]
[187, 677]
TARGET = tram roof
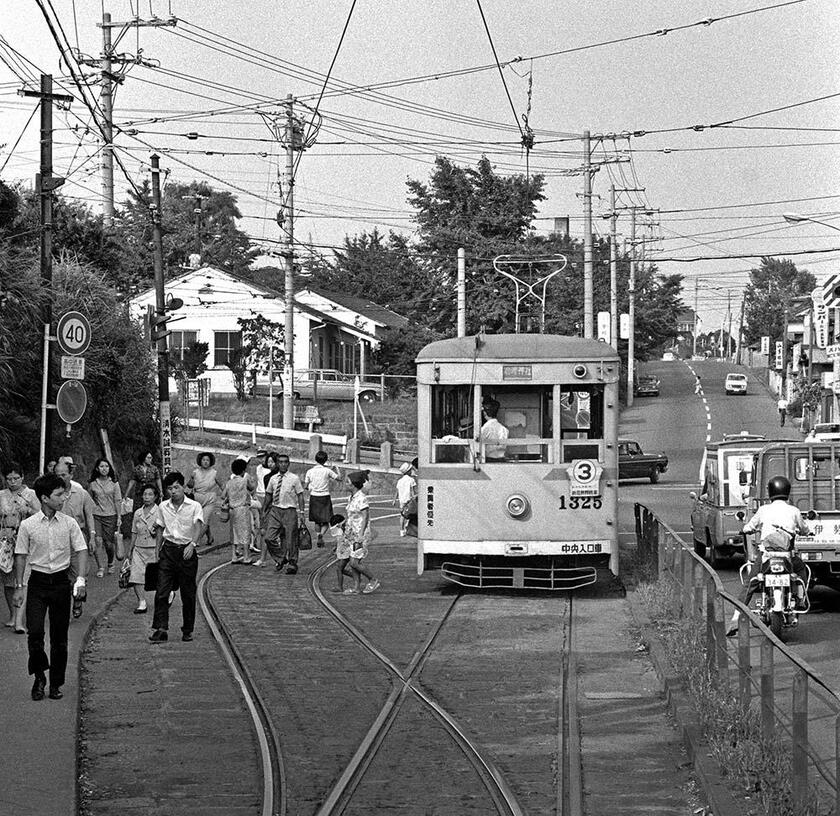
[516, 347]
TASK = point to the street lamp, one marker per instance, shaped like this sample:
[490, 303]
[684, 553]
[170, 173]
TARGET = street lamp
[798, 218]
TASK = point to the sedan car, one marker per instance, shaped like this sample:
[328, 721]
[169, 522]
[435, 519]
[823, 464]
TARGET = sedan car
[646, 386]
[633, 463]
[735, 384]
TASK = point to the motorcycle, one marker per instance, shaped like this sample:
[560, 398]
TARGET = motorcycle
[775, 585]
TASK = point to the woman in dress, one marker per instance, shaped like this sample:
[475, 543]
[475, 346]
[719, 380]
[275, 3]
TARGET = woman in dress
[357, 532]
[17, 502]
[143, 542]
[272, 466]
[107, 506]
[237, 498]
[207, 487]
[145, 472]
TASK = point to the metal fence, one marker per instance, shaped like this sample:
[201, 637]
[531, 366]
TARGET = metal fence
[796, 707]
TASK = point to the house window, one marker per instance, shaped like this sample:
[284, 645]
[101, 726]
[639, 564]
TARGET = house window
[180, 341]
[224, 343]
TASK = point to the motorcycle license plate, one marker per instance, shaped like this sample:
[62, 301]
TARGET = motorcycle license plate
[777, 580]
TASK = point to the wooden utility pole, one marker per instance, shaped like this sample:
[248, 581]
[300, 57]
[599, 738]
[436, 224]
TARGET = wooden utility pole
[159, 334]
[613, 270]
[694, 340]
[631, 310]
[462, 293]
[588, 301]
[288, 257]
[45, 184]
[740, 338]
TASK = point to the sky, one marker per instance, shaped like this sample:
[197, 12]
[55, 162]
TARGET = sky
[710, 192]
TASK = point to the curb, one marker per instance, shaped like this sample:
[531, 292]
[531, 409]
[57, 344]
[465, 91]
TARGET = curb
[720, 799]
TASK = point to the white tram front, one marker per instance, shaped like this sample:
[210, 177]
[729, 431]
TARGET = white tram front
[539, 509]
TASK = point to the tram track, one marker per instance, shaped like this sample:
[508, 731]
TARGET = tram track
[406, 686]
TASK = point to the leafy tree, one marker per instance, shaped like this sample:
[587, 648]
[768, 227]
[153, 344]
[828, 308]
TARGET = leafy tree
[259, 335]
[194, 361]
[399, 348]
[772, 288]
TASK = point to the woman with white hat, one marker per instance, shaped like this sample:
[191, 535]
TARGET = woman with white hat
[406, 495]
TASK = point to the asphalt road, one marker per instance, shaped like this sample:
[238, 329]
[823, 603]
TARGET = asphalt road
[676, 422]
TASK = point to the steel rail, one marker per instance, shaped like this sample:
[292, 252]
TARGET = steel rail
[503, 797]
[271, 756]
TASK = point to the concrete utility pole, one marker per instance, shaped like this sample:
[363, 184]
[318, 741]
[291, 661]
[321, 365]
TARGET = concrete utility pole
[45, 184]
[613, 270]
[108, 79]
[462, 293]
[198, 198]
[631, 309]
[740, 339]
[288, 256]
[694, 338]
[160, 322]
[588, 316]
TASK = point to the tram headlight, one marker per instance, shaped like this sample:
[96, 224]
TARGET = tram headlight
[517, 506]
[580, 371]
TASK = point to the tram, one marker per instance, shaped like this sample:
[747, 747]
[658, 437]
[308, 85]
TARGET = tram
[538, 509]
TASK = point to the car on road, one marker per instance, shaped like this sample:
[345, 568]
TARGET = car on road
[825, 432]
[735, 384]
[634, 463]
[646, 386]
[323, 383]
[669, 356]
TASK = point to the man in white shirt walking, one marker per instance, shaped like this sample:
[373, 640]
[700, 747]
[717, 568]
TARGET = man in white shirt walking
[283, 512]
[179, 523]
[49, 540]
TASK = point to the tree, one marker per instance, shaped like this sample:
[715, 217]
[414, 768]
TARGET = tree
[193, 363]
[772, 288]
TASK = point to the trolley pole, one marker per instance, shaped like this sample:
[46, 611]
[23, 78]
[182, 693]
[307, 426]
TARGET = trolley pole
[588, 321]
[631, 309]
[288, 257]
[160, 313]
[462, 293]
[613, 271]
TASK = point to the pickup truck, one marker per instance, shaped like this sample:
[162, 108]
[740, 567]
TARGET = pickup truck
[633, 463]
[322, 384]
[646, 386]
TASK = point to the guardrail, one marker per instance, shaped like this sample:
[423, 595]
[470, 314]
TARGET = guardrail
[797, 707]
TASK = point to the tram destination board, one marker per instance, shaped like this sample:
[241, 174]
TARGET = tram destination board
[585, 477]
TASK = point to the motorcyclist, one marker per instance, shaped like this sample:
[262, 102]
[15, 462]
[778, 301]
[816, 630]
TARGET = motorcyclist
[776, 523]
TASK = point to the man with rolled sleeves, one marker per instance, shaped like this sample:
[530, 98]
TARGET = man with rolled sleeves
[49, 540]
[179, 523]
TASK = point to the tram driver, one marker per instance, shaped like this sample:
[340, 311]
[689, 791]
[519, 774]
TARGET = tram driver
[493, 435]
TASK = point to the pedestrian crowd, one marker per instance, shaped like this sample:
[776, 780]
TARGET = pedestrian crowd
[52, 531]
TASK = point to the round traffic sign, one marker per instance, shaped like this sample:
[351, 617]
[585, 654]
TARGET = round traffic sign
[585, 471]
[73, 333]
[71, 401]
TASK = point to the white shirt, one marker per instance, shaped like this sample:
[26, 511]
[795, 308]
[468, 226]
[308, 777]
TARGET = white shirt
[318, 478]
[493, 431]
[285, 489]
[405, 489]
[782, 403]
[49, 543]
[262, 472]
[778, 515]
[177, 523]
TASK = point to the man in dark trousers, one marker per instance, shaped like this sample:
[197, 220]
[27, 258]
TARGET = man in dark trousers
[179, 527]
[49, 540]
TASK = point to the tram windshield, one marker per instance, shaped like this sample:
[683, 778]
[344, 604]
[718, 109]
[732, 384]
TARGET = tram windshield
[517, 423]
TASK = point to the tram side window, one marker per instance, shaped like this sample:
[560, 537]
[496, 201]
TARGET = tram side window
[581, 418]
[452, 421]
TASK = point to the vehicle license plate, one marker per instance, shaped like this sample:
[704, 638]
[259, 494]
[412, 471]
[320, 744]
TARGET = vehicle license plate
[777, 580]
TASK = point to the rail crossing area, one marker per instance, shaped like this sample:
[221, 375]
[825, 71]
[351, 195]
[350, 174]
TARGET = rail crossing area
[417, 699]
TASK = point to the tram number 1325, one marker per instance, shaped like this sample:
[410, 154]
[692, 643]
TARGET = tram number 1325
[580, 503]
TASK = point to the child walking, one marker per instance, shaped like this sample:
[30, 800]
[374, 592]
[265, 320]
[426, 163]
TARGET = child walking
[342, 552]
[317, 482]
[237, 497]
[406, 495]
[357, 532]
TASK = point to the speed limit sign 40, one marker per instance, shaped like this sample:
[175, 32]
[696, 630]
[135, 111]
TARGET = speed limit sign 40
[73, 333]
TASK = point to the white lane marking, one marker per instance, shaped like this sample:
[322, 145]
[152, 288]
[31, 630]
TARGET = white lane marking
[708, 426]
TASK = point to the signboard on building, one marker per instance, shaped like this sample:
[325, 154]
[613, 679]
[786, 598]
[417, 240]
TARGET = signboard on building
[820, 318]
[624, 326]
[780, 356]
[765, 345]
[604, 326]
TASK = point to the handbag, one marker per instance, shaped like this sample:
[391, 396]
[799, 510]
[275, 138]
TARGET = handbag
[125, 574]
[126, 506]
[304, 538]
[119, 545]
[7, 553]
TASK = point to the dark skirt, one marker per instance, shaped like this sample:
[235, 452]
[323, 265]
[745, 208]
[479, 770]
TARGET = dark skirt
[320, 509]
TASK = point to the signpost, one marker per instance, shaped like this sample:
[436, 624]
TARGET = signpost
[73, 333]
[72, 368]
[71, 401]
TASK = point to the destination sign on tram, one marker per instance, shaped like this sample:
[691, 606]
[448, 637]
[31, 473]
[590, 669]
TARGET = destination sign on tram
[584, 477]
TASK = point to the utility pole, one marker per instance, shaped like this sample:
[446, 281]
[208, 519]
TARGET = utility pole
[288, 256]
[694, 339]
[739, 341]
[198, 198]
[160, 322]
[631, 309]
[45, 184]
[462, 293]
[613, 271]
[108, 79]
[729, 320]
[588, 322]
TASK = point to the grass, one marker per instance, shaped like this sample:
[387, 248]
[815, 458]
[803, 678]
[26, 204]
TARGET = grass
[757, 769]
